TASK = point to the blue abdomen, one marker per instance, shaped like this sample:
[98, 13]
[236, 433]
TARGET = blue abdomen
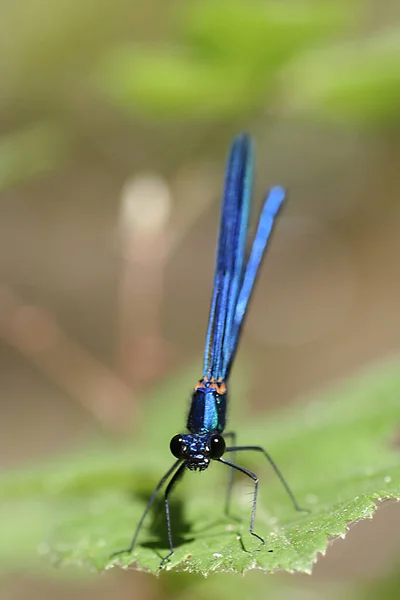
[207, 412]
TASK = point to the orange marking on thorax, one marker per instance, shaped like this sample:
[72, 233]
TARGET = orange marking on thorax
[218, 385]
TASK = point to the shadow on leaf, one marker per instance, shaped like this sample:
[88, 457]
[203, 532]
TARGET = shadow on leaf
[158, 526]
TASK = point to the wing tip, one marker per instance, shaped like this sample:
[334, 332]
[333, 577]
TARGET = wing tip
[275, 199]
[242, 139]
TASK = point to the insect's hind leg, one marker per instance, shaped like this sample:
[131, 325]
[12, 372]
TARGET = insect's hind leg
[235, 449]
[255, 495]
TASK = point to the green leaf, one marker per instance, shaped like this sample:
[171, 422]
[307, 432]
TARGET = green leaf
[336, 451]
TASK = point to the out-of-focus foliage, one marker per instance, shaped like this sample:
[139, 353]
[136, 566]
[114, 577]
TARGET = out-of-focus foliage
[36, 149]
[339, 463]
[47, 52]
[226, 59]
[387, 587]
[48, 48]
[78, 63]
[358, 82]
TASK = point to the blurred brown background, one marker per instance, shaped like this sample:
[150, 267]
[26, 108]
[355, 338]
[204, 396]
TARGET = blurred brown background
[109, 202]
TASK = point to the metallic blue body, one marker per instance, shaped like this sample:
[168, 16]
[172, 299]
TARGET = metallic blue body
[207, 412]
[233, 284]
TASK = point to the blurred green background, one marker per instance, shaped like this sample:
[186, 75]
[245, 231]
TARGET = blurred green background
[115, 120]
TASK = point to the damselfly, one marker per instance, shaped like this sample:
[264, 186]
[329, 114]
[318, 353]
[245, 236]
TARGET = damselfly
[233, 284]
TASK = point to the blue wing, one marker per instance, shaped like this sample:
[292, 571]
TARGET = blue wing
[230, 256]
[233, 283]
[270, 209]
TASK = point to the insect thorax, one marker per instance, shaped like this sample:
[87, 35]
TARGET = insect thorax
[207, 413]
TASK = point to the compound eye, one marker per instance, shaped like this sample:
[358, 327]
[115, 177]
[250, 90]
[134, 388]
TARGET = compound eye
[176, 446]
[217, 446]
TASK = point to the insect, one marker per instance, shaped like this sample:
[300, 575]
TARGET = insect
[234, 278]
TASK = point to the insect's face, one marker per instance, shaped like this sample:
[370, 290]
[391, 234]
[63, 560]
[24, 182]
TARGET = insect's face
[197, 450]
